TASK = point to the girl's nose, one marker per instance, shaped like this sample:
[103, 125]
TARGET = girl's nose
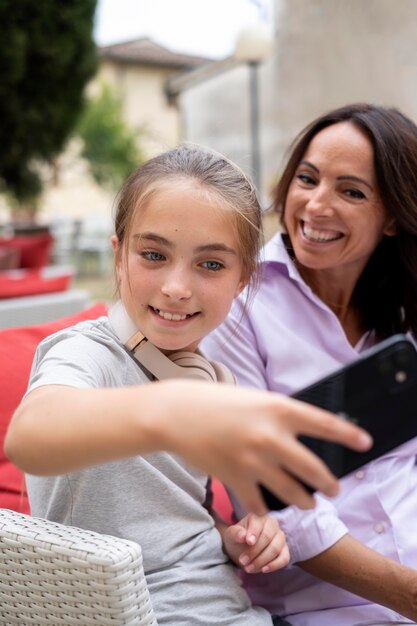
[177, 285]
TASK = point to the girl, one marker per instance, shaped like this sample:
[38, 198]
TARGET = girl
[186, 244]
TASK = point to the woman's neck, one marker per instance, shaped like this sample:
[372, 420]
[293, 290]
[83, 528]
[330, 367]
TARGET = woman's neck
[337, 293]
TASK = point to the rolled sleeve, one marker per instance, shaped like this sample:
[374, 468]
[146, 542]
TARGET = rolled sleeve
[311, 532]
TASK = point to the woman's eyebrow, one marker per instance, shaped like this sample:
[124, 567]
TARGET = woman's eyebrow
[352, 177]
[313, 167]
[357, 179]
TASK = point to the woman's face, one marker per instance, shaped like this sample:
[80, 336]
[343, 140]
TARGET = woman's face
[334, 214]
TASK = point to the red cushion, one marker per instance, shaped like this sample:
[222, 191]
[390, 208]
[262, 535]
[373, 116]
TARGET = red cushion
[221, 501]
[34, 249]
[9, 258]
[17, 349]
[30, 283]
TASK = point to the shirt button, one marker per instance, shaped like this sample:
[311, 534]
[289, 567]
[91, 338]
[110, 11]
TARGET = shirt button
[360, 474]
[379, 527]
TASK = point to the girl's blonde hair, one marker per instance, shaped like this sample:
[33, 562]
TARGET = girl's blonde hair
[218, 177]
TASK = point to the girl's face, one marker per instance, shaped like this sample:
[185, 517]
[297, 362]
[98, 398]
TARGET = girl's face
[334, 214]
[181, 269]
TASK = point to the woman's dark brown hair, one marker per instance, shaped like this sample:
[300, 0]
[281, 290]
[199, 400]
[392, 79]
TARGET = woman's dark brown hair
[386, 292]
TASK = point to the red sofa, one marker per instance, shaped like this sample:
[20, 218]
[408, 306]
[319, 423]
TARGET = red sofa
[17, 348]
[31, 250]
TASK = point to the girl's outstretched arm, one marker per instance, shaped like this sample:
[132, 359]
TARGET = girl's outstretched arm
[243, 436]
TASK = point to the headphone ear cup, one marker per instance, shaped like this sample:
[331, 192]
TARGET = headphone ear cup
[223, 374]
[197, 365]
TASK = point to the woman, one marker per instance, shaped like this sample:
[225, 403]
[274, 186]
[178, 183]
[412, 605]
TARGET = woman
[342, 277]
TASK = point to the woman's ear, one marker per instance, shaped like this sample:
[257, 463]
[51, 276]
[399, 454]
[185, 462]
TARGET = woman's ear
[391, 228]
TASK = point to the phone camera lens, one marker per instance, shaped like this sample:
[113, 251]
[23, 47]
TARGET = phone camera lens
[400, 376]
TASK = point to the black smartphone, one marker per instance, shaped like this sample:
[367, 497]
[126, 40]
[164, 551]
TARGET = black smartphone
[378, 391]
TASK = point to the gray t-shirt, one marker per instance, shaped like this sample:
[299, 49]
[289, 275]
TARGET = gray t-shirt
[156, 500]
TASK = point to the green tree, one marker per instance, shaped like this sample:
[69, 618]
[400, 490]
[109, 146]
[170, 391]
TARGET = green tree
[109, 145]
[47, 55]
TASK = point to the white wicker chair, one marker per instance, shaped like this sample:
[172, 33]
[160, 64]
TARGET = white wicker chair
[53, 575]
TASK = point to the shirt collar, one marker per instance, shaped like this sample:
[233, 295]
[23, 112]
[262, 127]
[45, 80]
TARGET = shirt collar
[276, 253]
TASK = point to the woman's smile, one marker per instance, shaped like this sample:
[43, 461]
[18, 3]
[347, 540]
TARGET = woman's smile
[318, 234]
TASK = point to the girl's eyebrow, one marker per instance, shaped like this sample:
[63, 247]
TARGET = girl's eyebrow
[216, 247]
[153, 237]
[358, 179]
[210, 247]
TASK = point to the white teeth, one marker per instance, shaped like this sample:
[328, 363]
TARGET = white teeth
[176, 317]
[319, 235]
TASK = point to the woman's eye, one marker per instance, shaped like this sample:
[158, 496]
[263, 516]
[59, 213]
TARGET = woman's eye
[213, 266]
[150, 255]
[355, 193]
[305, 179]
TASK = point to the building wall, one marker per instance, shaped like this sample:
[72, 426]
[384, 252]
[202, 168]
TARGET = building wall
[327, 53]
[145, 104]
[333, 52]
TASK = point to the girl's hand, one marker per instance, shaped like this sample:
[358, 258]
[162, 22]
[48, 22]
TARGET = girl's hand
[246, 437]
[256, 544]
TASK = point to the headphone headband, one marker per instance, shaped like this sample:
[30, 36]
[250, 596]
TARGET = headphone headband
[177, 365]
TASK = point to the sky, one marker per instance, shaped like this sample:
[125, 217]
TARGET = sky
[201, 27]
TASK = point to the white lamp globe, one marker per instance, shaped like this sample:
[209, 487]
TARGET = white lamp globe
[254, 43]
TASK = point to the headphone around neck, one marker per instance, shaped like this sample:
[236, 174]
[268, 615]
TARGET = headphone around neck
[177, 365]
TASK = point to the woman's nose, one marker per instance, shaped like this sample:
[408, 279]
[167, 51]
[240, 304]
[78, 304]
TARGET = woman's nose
[320, 202]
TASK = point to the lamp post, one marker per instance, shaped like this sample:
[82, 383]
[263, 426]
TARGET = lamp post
[253, 45]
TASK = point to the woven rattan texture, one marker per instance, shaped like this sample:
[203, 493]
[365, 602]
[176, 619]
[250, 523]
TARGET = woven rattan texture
[53, 575]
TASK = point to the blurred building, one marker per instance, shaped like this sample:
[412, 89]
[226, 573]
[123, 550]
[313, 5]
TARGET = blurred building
[137, 71]
[327, 53]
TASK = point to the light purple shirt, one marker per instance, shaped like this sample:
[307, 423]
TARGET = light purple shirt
[287, 339]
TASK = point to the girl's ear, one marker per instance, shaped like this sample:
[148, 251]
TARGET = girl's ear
[240, 287]
[117, 252]
[116, 248]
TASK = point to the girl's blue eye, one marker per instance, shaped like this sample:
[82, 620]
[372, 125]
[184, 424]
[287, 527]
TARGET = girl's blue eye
[213, 266]
[151, 255]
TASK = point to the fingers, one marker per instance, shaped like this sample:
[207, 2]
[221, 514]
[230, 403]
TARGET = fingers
[269, 551]
[317, 422]
[249, 495]
[301, 464]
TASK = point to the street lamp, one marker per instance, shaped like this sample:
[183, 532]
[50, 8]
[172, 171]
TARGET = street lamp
[253, 45]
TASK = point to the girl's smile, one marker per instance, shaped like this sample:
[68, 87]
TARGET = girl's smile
[172, 316]
[181, 267]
